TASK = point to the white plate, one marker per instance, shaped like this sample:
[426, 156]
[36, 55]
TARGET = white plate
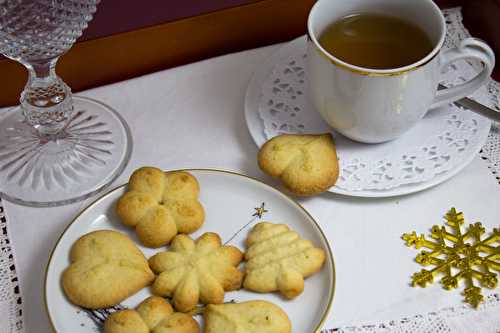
[229, 200]
[427, 129]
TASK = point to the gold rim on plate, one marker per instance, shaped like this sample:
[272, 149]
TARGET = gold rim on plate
[284, 195]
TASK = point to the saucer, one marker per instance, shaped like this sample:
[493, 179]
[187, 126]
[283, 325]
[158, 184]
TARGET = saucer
[445, 141]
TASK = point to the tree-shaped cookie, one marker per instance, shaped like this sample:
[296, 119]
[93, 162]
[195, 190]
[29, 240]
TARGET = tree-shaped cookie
[278, 259]
[106, 268]
[159, 205]
[195, 272]
[153, 315]
[307, 164]
[246, 317]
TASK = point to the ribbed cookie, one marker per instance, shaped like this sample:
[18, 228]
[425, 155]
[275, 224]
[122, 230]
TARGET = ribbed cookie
[278, 259]
[153, 315]
[159, 205]
[306, 164]
[195, 272]
[106, 268]
[246, 317]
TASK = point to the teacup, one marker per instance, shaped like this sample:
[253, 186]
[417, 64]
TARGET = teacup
[374, 105]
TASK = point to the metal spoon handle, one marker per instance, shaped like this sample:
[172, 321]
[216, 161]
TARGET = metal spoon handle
[476, 107]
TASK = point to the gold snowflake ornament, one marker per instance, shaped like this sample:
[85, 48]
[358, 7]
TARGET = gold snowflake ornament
[458, 256]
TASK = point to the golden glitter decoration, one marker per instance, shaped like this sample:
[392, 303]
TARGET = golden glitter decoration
[260, 211]
[458, 256]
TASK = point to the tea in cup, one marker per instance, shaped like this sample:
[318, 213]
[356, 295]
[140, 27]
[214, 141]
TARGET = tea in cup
[374, 65]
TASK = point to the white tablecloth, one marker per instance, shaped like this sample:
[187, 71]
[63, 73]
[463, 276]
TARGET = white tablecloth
[192, 116]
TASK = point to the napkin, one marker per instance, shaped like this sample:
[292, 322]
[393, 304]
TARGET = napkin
[10, 296]
[460, 319]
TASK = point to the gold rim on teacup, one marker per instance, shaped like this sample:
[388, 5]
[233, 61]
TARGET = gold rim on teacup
[366, 71]
[311, 38]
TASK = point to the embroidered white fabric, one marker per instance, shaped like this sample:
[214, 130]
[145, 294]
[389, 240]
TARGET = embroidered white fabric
[10, 297]
[461, 319]
[451, 135]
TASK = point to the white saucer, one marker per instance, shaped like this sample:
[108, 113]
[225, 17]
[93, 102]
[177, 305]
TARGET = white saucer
[434, 145]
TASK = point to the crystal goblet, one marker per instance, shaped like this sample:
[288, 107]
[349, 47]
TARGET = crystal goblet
[55, 148]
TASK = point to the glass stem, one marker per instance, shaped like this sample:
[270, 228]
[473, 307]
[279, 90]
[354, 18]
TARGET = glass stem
[46, 100]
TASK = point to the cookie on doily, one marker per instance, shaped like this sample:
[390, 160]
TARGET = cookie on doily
[306, 164]
[154, 315]
[193, 272]
[161, 204]
[278, 259]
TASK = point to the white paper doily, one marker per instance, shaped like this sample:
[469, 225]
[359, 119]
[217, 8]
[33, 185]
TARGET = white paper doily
[438, 147]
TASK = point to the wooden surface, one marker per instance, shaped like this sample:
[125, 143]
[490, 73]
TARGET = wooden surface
[121, 56]
[118, 16]
[481, 17]
[104, 60]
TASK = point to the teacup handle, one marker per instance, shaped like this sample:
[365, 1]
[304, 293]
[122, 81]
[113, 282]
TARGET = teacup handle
[469, 48]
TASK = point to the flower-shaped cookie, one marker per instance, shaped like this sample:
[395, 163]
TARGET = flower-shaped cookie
[106, 267]
[153, 315]
[196, 271]
[278, 259]
[307, 164]
[159, 205]
[246, 317]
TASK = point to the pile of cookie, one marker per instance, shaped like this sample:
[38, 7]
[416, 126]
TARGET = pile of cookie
[107, 267]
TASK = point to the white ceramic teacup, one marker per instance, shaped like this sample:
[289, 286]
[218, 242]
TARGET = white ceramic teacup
[372, 105]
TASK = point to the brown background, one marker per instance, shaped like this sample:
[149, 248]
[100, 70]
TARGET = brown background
[128, 38]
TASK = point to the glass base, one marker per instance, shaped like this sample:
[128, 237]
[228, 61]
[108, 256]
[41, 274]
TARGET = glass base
[57, 169]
